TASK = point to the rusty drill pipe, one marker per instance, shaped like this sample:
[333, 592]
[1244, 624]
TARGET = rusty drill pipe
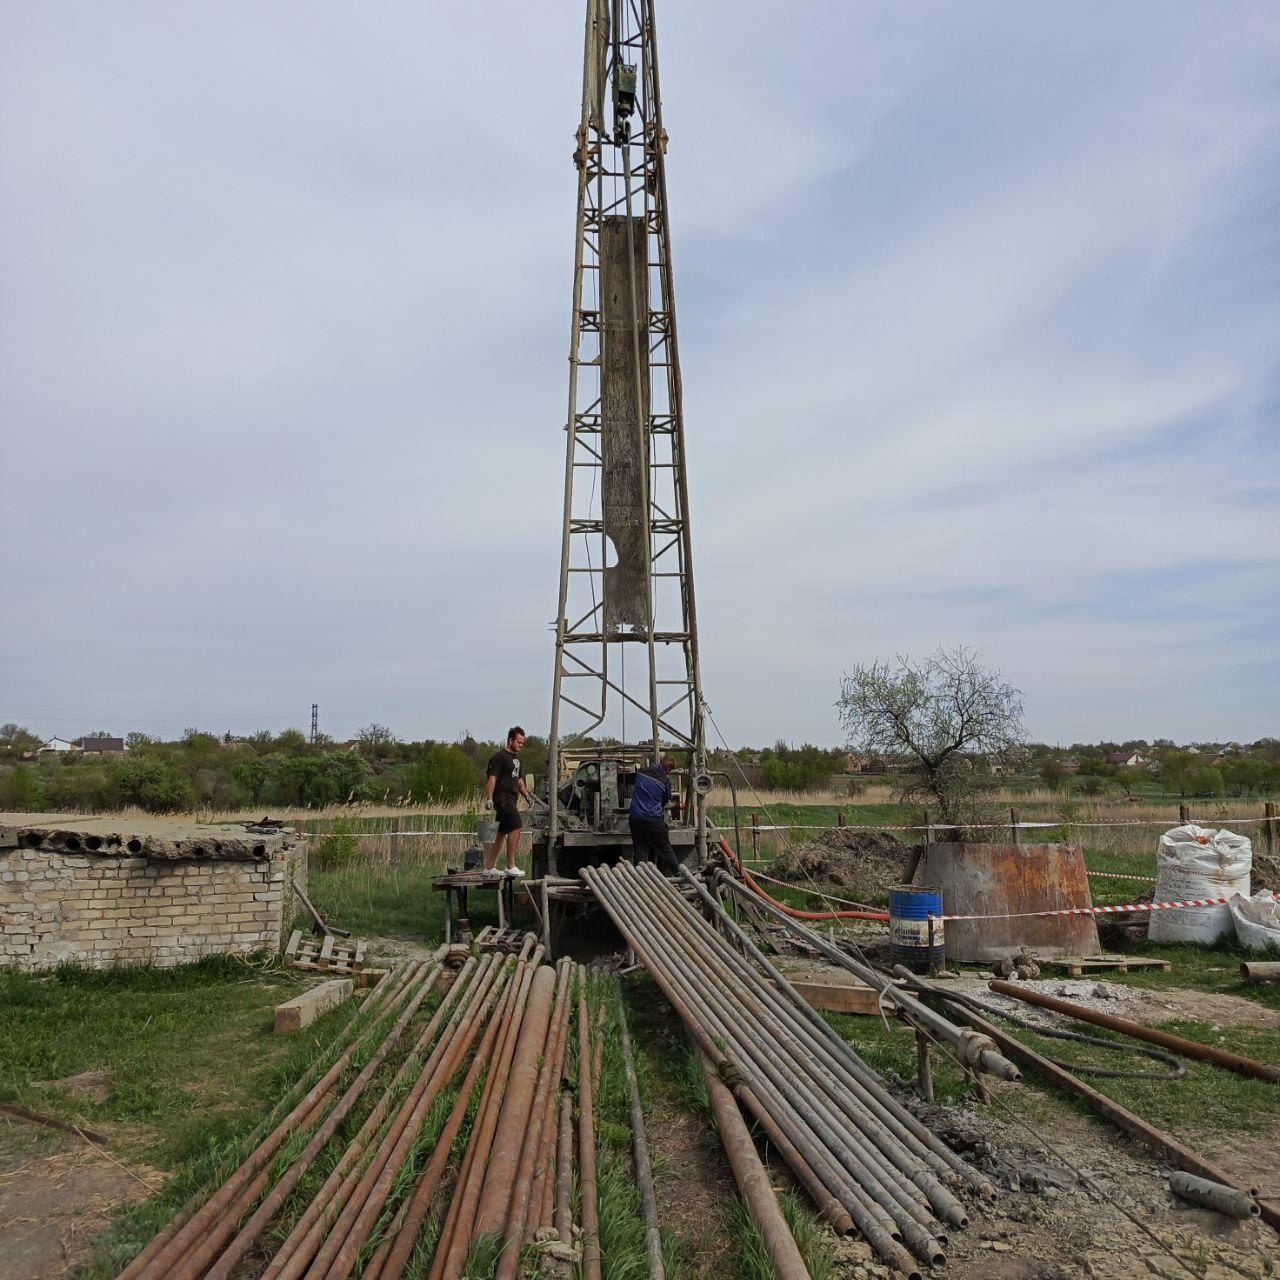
[271, 1205]
[872, 1207]
[752, 1180]
[451, 1252]
[854, 1074]
[372, 1194]
[1260, 970]
[868, 1156]
[870, 1217]
[1213, 1195]
[564, 1171]
[161, 1265]
[391, 1260]
[499, 1030]
[1186, 1048]
[296, 1252]
[528, 1127]
[513, 1121]
[587, 1142]
[550, 1132]
[1157, 1139]
[640, 1148]
[260, 1131]
[868, 1137]
[334, 1211]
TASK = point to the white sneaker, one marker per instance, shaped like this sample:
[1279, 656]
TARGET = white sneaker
[514, 872]
[491, 873]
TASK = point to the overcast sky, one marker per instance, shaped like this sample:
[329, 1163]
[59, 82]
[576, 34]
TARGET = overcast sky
[980, 308]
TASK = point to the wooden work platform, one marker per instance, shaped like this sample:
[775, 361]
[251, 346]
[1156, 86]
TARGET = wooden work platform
[1078, 966]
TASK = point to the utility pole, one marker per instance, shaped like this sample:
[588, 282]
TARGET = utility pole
[315, 723]
[626, 626]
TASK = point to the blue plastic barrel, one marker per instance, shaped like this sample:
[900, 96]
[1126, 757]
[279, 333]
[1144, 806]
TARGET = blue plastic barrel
[910, 907]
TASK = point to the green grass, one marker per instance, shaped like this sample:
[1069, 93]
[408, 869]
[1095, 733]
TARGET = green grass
[139, 1026]
[391, 904]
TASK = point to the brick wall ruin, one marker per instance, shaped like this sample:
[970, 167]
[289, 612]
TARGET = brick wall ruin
[74, 891]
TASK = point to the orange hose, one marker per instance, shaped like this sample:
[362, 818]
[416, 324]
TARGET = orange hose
[794, 912]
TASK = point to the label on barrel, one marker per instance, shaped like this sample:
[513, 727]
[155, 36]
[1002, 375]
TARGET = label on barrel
[914, 933]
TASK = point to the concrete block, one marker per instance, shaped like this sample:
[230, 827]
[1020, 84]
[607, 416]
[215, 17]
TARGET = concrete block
[303, 1010]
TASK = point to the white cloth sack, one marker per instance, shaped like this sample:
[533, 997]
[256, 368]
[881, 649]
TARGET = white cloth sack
[1257, 919]
[1197, 862]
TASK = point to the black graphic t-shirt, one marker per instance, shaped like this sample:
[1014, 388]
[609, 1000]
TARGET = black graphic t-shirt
[505, 767]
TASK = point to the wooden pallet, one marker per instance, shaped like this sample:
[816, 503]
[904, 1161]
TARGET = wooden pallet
[325, 955]
[1078, 966]
[491, 938]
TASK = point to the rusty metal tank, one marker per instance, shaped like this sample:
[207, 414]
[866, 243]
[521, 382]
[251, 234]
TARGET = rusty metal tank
[1006, 880]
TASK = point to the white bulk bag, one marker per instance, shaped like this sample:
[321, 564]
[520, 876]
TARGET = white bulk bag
[1196, 862]
[1257, 919]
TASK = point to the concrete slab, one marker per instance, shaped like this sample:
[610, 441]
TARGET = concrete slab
[303, 1010]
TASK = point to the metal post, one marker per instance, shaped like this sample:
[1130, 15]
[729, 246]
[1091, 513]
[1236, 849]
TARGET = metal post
[1270, 827]
[755, 837]
[395, 844]
[840, 819]
[1013, 826]
[1184, 814]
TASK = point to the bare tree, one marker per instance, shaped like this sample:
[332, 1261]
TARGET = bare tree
[938, 714]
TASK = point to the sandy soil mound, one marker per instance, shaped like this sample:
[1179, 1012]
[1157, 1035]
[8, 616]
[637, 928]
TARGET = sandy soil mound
[864, 863]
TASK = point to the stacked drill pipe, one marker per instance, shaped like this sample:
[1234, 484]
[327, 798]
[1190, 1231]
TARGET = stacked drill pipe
[198, 1232]
[328, 1238]
[274, 1129]
[864, 1159]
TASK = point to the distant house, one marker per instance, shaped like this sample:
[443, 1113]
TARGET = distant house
[1069, 764]
[102, 746]
[856, 762]
[1128, 759]
[55, 745]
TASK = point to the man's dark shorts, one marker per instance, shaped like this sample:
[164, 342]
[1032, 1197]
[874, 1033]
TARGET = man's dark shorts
[508, 816]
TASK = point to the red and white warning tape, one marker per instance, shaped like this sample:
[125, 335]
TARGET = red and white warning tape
[1096, 911]
[1121, 875]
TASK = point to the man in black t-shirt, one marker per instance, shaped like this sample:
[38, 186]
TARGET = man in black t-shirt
[503, 786]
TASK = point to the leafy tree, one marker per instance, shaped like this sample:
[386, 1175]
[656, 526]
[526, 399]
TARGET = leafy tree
[252, 776]
[934, 713]
[152, 784]
[1207, 781]
[445, 773]
[293, 742]
[1174, 767]
[20, 791]
[17, 738]
[1052, 774]
[136, 741]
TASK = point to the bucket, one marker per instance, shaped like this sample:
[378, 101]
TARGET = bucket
[910, 907]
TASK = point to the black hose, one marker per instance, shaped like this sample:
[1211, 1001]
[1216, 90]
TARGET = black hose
[737, 830]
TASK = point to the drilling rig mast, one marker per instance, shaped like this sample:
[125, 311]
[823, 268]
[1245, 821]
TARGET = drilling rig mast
[626, 685]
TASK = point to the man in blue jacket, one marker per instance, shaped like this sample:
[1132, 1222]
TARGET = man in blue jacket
[650, 796]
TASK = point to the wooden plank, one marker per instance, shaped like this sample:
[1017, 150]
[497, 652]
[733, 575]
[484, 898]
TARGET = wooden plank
[294, 941]
[839, 997]
[327, 949]
[304, 1009]
[1078, 966]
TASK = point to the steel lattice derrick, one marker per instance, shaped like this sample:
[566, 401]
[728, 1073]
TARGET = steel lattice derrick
[626, 625]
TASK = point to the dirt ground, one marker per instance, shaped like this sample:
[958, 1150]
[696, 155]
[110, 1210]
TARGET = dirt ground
[848, 861]
[56, 1199]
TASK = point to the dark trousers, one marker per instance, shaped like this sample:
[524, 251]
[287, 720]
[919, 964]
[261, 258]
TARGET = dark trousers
[650, 842]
